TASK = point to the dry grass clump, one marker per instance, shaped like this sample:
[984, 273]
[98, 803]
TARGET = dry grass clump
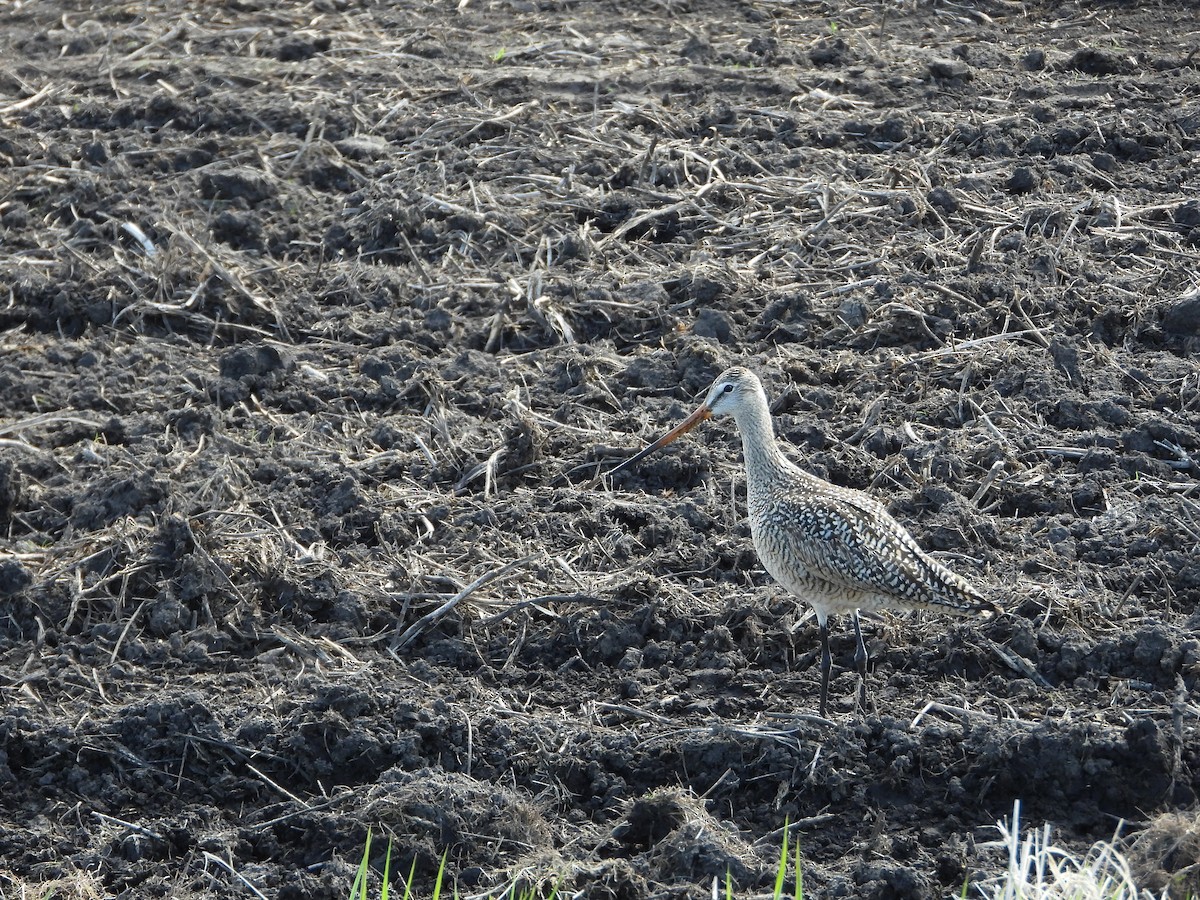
[1039, 869]
[76, 886]
[1165, 855]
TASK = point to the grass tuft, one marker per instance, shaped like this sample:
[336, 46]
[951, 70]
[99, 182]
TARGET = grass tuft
[360, 889]
[781, 871]
[1039, 870]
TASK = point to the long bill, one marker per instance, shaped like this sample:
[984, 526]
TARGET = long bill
[682, 428]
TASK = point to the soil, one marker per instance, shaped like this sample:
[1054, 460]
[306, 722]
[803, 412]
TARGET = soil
[320, 321]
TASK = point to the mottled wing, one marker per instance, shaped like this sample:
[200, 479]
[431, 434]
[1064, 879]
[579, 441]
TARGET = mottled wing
[850, 540]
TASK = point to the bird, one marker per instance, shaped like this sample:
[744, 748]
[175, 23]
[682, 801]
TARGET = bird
[834, 547]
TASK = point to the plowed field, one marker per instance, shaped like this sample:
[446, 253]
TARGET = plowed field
[321, 323]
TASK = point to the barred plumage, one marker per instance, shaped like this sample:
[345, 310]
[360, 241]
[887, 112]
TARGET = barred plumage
[833, 547]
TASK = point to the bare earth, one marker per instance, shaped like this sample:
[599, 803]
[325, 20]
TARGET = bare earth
[319, 320]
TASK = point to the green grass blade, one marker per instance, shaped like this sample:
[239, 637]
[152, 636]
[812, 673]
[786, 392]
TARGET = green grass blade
[783, 860]
[437, 884]
[359, 887]
[387, 873]
[408, 882]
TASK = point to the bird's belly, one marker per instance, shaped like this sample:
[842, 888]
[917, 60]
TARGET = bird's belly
[785, 568]
[829, 596]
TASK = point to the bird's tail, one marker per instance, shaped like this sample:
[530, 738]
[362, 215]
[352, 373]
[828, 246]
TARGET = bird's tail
[957, 596]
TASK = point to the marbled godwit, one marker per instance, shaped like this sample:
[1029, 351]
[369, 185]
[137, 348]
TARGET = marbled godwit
[833, 547]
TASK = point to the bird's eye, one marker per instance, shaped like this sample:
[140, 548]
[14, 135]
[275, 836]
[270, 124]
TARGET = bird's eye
[728, 389]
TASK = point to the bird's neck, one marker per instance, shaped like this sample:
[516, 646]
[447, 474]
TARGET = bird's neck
[758, 436]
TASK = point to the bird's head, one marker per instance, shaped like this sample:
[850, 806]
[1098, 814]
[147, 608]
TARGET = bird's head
[733, 389]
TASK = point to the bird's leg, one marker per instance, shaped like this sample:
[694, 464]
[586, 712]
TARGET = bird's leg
[860, 661]
[826, 664]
